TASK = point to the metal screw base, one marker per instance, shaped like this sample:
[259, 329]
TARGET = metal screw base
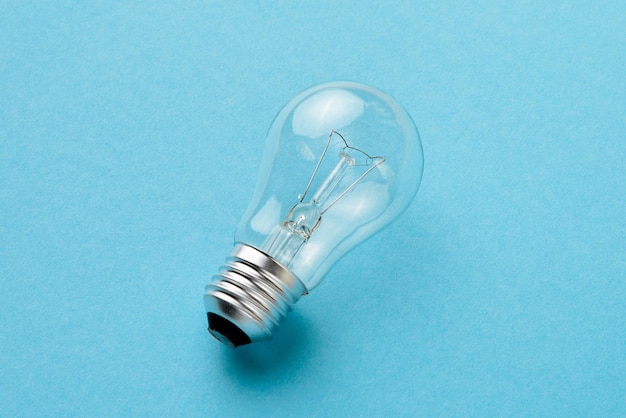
[249, 297]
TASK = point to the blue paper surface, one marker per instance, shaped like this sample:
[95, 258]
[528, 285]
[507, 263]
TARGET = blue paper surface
[130, 136]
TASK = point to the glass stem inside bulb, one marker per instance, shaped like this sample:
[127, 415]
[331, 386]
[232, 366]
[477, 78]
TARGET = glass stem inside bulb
[304, 217]
[333, 179]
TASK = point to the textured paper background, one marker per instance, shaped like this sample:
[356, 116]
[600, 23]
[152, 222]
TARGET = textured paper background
[130, 136]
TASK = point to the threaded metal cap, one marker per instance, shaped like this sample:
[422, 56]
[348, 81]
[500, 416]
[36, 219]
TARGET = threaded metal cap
[249, 297]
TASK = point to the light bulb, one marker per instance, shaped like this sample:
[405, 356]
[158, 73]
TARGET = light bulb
[341, 161]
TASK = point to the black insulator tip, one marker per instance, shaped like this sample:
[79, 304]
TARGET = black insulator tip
[226, 332]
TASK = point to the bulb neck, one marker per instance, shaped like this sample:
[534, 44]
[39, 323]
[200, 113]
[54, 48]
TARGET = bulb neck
[249, 297]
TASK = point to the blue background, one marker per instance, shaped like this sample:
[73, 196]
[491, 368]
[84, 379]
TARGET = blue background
[130, 136]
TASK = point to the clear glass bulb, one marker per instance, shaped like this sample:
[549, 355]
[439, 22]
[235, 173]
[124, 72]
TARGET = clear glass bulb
[341, 161]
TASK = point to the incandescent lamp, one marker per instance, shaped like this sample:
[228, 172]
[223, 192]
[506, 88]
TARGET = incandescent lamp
[341, 161]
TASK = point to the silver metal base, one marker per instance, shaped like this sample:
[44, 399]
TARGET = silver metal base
[249, 297]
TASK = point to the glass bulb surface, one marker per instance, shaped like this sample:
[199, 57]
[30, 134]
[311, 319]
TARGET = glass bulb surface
[341, 161]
